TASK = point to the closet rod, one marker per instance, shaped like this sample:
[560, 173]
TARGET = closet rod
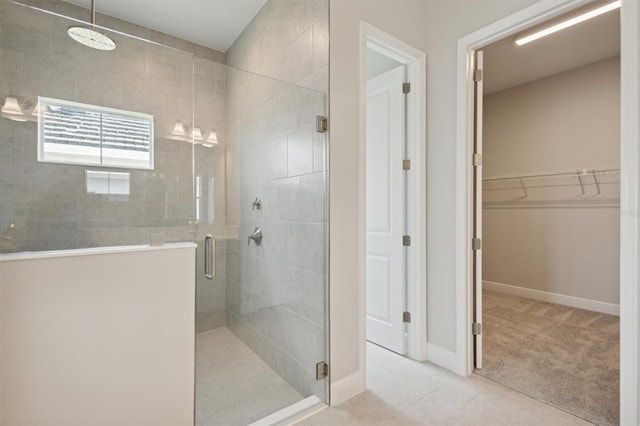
[581, 172]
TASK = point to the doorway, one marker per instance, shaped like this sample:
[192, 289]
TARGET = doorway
[536, 183]
[393, 296]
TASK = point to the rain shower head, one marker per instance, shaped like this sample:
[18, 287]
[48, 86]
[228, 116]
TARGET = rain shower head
[89, 36]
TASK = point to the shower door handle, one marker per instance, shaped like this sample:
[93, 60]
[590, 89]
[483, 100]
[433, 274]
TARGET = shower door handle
[209, 257]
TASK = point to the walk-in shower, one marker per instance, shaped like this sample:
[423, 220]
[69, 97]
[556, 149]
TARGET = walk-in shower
[148, 145]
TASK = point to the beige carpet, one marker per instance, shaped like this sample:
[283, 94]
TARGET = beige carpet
[566, 357]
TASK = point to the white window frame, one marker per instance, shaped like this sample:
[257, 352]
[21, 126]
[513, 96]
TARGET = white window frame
[99, 160]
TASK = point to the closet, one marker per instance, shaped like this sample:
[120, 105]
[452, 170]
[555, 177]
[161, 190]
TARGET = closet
[551, 221]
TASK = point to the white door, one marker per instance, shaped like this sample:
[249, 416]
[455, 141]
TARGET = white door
[477, 225]
[385, 210]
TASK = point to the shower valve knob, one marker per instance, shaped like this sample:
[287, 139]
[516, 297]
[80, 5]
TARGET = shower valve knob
[256, 236]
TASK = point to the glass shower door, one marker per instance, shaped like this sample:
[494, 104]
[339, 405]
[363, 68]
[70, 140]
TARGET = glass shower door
[261, 356]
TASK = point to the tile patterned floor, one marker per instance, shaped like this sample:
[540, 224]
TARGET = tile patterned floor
[406, 392]
[233, 385]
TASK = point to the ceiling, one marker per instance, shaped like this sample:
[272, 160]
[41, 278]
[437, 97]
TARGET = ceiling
[507, 65]
[377, 64]
[212, 23]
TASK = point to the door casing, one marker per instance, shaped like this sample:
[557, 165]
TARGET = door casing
[629, 186]
[415, 61]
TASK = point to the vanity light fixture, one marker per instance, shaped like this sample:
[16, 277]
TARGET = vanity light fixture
[569, 22]
[184, 132]
[197, 134]
[12, 109]
[211, 140]
[178, 129]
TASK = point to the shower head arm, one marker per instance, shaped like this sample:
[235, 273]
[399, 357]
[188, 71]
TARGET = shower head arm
[93, 14]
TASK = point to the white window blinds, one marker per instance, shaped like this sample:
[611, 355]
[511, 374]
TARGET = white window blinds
[74, 133]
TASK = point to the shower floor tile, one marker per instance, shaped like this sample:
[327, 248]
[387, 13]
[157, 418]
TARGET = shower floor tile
[233, 385]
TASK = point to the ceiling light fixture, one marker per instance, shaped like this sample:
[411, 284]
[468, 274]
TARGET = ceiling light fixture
[89, 36]
[569, 22]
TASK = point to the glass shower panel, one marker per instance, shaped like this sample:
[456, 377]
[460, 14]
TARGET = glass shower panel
[210, 188]
[92, 97]
[276, 182]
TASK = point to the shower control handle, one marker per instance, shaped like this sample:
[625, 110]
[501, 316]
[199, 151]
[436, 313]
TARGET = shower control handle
[256, 236]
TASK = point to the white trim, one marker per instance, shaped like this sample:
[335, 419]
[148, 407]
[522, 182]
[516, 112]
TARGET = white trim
[560, 299]
[442, 357]
[415, 62]
[92, 251]
[629, 242]
[630, 160]
[348, 387]
[293, 413]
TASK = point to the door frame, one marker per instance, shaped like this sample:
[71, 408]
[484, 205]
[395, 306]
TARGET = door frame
[629, 186]
[416, 64]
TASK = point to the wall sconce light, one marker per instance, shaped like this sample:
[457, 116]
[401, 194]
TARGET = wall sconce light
[20, 109]
[197, 134]
[178, 130]
[12, 109]
[184, 132]
[211, 140]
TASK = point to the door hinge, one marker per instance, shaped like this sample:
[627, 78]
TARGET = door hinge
[406, 316]
[477, 328]
[406, 164]
[406, 88]
[322, 370]
[406, 240]
[477, 160]
[322, 124]
[477, 75]
[477, 243]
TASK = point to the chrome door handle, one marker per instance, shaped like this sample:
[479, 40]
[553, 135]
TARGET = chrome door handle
[256, 236]
[209, 257]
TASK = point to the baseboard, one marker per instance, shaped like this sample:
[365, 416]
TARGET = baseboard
[561, 299]
[442, 357]
[346, 388]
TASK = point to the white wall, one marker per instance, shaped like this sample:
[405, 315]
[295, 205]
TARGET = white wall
[432, 26]
[446, 22]
[403, 20]
[556, 240]
[101, 339]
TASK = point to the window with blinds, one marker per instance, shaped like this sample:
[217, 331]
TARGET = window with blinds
[75, 133]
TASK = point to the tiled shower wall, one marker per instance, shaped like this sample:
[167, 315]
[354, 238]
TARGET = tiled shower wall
[49, 203]
[276, 291]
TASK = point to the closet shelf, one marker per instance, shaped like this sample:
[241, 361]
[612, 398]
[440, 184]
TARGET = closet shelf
[577, 173]
[592, 174]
